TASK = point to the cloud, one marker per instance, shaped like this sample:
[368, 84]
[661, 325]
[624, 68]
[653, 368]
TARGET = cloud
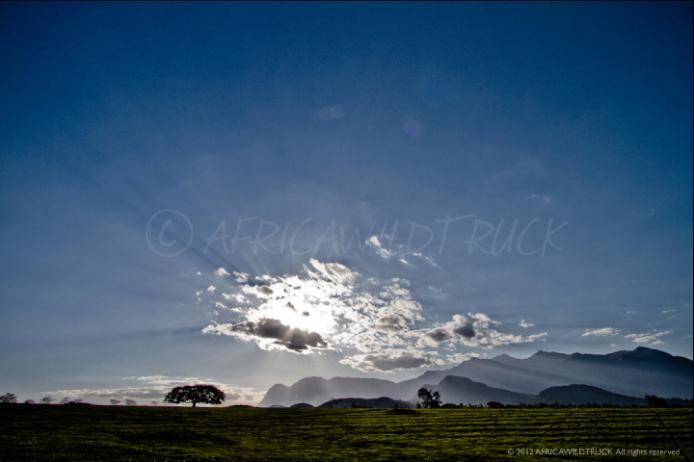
[221, 272]
[375, 243]
[270, 330]
[649, 338]
[372, 323]
[403, 359]
[526, 324]
[601, 332]
[476, 330]
[399, 252]
[391, 361]
[439, 334]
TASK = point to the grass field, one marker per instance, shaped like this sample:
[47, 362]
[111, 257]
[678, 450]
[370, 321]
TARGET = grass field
[82, 433]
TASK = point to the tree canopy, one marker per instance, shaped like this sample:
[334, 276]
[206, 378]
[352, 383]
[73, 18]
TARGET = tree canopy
[208, 394]
[8, 398]
[429, 399]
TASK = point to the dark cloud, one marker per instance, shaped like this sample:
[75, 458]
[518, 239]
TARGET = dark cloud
[439, 334]
[290, 337]
[466, 330]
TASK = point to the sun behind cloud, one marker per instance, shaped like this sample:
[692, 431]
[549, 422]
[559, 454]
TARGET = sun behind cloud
[374, 323]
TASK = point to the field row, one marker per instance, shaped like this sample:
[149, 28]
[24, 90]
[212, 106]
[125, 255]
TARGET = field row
[123, 433]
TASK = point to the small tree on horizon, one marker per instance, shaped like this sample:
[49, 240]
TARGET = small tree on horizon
[208, 394]
[655, 401]
[429, 400]
[8, 398]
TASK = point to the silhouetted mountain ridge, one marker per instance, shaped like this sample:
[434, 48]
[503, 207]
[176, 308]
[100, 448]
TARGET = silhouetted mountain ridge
[633, 373]
[382, 402]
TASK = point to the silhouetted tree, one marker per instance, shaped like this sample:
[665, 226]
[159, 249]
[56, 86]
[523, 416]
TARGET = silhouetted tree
[429, 400]
[8, 398]
[208, 394]
[494, 404]
[46, 400]
[130, 402]
[655, 401]
[114, 401]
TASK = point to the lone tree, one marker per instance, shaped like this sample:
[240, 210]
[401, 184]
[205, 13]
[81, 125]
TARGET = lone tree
[208, 394]
[429, 400]
[655, 401]
[8, 398]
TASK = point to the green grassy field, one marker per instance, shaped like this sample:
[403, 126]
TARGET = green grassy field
[83, 433]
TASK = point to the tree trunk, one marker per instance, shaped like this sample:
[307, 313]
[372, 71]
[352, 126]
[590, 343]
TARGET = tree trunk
[194, 403]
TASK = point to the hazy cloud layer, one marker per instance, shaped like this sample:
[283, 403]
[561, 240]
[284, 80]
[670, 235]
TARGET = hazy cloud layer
[151, 388]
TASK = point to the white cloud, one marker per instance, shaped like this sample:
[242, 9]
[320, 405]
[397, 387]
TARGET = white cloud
[373, 323]
[375, 243]
[403, 255]
[649, 338]
[526, 324]
[221, 272]
[211, 289]
[601, 332]
[670, 311]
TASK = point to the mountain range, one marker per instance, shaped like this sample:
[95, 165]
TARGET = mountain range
[625, 374]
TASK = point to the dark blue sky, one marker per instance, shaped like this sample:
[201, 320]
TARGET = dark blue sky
[349, 118]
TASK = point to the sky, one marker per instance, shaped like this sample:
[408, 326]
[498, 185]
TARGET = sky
[247, 194]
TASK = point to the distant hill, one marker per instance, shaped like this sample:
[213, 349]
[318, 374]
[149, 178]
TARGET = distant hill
[382, 402]
[638, 372]
[317, 390]
[630, 373]
[584, 394]
[302, 406]
[458, 390]
[461, 390]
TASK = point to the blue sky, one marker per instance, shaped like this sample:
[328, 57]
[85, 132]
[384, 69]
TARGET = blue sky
[146, 146]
